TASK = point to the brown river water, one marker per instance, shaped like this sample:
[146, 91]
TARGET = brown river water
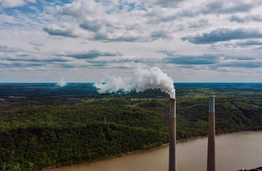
[233, 151]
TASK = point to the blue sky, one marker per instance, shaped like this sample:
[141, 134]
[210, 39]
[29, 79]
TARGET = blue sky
[87, 40]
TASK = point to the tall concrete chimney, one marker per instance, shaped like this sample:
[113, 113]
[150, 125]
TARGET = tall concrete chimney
[211, 160]
[172, 135]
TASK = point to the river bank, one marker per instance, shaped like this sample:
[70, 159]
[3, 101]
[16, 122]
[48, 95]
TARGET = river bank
[179, 142]
[234, 151]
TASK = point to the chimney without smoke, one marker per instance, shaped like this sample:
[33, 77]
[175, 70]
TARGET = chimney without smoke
[211, 162]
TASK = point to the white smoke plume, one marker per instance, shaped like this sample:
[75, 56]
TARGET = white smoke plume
[144, 78]
[61, 83]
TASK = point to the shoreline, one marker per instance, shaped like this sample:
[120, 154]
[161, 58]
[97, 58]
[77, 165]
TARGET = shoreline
[150, 148]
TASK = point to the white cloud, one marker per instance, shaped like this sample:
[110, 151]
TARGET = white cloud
[12, 3]
[246, 18]
[31, 1]
[109, 24]
[39, 39]
[15, 3]
[223, 34]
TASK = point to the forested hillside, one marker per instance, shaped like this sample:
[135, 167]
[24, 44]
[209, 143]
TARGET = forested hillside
[37, 132]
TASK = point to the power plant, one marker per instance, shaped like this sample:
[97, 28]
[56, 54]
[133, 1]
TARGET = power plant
[172, 134]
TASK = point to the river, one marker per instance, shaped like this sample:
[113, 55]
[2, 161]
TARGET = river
[233, 151]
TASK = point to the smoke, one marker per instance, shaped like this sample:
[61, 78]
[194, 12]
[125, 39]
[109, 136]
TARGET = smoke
[61, 83]
[144, 78]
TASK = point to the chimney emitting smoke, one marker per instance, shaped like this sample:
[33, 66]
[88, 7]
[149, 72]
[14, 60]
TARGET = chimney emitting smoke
[146, 77]
[172, 134]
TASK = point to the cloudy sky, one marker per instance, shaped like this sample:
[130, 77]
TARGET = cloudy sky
[86, 40]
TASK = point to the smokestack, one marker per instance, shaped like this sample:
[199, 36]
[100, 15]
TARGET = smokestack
[211, 160]
[172, 134]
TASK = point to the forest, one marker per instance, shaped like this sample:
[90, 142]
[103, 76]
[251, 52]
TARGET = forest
[38, 131]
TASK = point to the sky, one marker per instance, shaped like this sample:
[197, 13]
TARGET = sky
[88, 40]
